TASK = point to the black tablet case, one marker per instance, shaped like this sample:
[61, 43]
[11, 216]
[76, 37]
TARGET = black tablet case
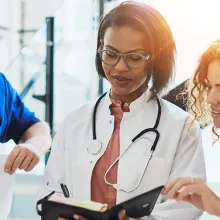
[136, 207]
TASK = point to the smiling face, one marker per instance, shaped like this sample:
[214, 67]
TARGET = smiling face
[213, 78]
[127, 84]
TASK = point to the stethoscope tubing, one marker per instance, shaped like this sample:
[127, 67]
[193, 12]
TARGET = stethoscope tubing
[154, 129]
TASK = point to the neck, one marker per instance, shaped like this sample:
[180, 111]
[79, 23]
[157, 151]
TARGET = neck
[130, 97]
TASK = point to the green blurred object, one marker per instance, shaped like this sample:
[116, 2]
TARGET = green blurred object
[47, 157]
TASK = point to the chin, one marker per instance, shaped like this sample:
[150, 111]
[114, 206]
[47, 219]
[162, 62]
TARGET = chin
[122, 91]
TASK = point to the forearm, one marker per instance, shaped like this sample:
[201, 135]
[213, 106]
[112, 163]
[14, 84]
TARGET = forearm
[216, 207]
[38, 136]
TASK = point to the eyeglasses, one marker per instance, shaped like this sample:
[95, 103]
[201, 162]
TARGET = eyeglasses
[132, 60]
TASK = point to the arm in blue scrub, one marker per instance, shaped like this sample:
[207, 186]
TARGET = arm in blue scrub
[21, 125]
[18, 117]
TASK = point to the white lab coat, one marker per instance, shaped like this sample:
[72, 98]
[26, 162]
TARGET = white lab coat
[178, 153]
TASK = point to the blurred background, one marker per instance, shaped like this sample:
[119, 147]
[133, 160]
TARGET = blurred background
[37, 33]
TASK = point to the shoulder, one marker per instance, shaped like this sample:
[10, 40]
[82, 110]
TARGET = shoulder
[179, 119]
[6, 91]
[2, 76]
[173, 112]
[82, 109]
[79, 114]
[5, 85]
[3, 80]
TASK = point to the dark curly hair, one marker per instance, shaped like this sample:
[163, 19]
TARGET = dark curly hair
[148, 20]
[197, 88]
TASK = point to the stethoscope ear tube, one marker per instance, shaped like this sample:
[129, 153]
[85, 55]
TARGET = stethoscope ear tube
[149, 130]
[156, 140]
[94, 116]
[143, 132]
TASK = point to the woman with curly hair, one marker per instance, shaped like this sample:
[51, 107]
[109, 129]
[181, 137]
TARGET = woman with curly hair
[204, 103]
[204, 89]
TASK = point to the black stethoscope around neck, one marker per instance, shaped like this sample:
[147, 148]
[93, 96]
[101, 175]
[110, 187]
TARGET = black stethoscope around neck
[96, 145]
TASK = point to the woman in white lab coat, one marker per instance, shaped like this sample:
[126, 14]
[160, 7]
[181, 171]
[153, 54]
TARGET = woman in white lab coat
[205, 104]
[135, 53]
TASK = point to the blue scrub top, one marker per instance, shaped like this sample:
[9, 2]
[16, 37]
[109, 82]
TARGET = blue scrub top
[15, 118]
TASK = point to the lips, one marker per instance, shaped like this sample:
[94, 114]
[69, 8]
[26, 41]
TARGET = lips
[121, 78]
[121, 81]
[214, 111]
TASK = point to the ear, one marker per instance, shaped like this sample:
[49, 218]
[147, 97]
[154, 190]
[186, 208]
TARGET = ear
[101, 41]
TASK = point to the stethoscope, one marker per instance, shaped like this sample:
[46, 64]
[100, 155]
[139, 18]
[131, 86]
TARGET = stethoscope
[96, 145]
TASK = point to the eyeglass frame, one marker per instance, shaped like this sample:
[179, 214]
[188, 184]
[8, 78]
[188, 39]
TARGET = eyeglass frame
[124, 55]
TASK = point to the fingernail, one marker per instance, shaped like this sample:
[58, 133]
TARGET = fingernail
[11, 172]
[76, 216]
[6, 170]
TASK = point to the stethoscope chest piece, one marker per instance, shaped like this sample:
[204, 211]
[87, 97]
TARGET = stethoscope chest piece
[94, 147]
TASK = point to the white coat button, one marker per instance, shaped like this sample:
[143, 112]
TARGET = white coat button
[90, 161]
[110, 121]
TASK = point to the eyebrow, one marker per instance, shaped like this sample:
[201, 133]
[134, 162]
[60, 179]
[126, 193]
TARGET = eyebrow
[135, 50]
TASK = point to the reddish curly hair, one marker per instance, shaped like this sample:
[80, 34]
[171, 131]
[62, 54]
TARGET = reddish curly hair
[198, 90]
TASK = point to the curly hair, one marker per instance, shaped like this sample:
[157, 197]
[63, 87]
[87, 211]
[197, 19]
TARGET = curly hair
[198, 90]
[148, 20]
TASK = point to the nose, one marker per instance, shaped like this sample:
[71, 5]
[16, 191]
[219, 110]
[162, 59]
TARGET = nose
[121, 65]
[213, 97]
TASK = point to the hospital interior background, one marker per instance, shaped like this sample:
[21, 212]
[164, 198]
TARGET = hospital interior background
[23, 49]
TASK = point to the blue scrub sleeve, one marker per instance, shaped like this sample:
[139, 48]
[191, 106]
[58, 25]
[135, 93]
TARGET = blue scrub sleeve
[20, 118]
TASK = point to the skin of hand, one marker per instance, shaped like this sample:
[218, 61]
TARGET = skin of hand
[194, 191]
[22, 157]
[121, 216]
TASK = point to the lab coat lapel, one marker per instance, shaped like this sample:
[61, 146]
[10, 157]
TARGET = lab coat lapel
[135, 121]
[131, 167]
[86, 162]
[105, 121]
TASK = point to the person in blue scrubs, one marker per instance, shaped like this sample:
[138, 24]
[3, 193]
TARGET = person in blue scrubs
[31, 136]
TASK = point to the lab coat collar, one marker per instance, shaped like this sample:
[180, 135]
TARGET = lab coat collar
[135, 106]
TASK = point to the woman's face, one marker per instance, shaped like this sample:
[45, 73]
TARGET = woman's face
[127, 84]
[213, 78]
